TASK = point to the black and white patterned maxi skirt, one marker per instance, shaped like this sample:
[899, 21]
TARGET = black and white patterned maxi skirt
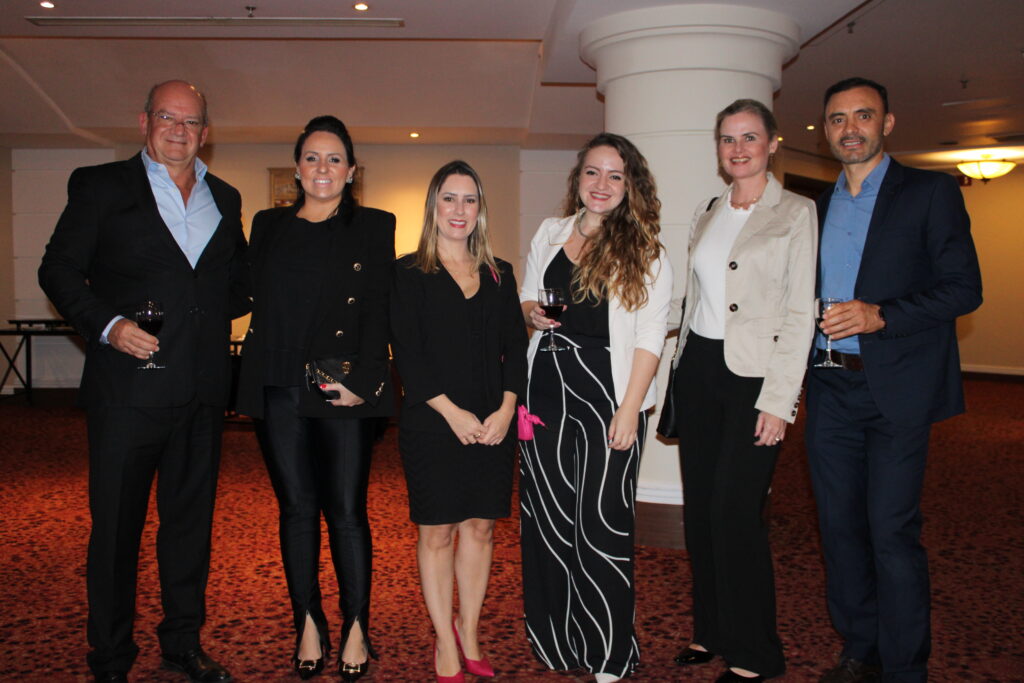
[577, 500]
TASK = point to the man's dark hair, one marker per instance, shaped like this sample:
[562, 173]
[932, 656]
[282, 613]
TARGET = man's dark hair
[858, 82]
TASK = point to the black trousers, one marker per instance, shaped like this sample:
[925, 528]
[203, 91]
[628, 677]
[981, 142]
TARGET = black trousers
[868, 474]
[127, 448]
[320, 465]
[577, 497]
[725, 485]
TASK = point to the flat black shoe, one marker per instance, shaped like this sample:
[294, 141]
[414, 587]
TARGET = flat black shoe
[690, 656]
[851, 671]
[111, 677]
[197, 665]
[307, 668]
[353, 672]
[731, 676]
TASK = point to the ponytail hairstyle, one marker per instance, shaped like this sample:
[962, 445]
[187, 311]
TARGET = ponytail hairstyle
[334, 126]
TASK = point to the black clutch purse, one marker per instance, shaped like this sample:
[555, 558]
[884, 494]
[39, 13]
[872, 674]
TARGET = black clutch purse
[328, 371]
[667, 426]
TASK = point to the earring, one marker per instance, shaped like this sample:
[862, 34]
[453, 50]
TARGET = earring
[298, 176]
[348, 181]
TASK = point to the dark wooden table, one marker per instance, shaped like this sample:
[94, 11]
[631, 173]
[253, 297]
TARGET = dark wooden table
[25, 329]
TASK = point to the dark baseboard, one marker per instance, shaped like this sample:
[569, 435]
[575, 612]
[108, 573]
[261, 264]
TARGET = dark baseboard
[43, 398]
[660, 525]
[993, 377]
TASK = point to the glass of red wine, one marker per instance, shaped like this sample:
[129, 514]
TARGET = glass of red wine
[553, 303]
[149, 316]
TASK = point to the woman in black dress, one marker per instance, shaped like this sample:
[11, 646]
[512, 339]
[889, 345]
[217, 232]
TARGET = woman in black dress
[321, 275]
[460, 346]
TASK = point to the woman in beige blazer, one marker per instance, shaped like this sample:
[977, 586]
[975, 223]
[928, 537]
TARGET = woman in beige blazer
[746, 331]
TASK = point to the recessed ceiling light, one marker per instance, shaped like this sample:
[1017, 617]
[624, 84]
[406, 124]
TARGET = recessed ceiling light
[47, 4]
[781, 138]
[360, 7]
[414, 135]
[810, 127]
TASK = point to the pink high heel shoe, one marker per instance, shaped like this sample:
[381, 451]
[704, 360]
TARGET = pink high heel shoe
[457, 678]
[477, 667]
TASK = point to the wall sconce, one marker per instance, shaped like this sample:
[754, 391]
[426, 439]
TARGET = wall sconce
[985, 169]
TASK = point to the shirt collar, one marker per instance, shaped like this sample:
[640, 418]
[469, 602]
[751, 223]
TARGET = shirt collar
[871, 183]
[156, 167]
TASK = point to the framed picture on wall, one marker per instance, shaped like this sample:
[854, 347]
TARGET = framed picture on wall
[284, 193]
[282, 186]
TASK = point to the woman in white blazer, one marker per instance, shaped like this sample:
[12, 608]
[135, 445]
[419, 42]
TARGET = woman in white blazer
[746, 331]
[579, 471]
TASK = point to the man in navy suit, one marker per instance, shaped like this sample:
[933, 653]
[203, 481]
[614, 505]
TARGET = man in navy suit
[154, 227]
[896, 248]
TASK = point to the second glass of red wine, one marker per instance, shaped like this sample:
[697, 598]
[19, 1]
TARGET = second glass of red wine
[149, 316]
[553, 303]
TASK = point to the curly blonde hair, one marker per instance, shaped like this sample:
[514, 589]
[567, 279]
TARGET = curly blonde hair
[619, 257]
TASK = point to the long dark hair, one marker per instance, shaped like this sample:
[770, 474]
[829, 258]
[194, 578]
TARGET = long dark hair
[621, 254]
[334, 126]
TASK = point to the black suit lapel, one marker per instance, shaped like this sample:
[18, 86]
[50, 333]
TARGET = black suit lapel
[138, 181]
[224, 206]
[886, 199]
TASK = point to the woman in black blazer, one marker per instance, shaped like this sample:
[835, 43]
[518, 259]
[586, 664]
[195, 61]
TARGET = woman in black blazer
[320, 280]
[460, 346]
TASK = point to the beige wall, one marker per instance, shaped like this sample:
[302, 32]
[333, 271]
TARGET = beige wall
[6, 239]
[990, 338]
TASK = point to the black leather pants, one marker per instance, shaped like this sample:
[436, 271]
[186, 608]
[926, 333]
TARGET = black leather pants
[320, 465]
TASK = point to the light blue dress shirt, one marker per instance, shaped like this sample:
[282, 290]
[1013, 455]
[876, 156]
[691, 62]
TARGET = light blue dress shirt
[193, 224]
[842, 243]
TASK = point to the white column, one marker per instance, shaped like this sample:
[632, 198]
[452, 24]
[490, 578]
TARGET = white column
[665, 72]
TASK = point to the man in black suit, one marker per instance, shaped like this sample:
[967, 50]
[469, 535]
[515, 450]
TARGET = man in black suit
[896, 248]
[155, 227]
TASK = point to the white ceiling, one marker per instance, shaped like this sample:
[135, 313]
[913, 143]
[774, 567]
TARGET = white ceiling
[480, 71]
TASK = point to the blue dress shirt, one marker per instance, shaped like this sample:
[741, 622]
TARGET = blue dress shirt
[193, 224]
[842, 243]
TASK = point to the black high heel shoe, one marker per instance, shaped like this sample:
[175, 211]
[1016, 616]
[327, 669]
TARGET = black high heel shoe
[353, 672]
[307, 668]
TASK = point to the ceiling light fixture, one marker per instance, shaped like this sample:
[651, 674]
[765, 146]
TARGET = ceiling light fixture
[360, 7]
[985, 169]
[810, 127]
[248, 22]
[414, 134]
[47, 4]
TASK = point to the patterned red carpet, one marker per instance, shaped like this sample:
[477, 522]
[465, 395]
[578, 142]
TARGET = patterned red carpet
[974, 531]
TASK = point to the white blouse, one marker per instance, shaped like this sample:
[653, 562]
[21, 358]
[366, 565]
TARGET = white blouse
[710, 261]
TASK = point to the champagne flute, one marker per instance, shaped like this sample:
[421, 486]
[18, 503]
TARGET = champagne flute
[149, 316]
[820, 306]
[553, 303]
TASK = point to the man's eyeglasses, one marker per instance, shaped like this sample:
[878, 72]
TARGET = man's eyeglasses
[165, 120]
